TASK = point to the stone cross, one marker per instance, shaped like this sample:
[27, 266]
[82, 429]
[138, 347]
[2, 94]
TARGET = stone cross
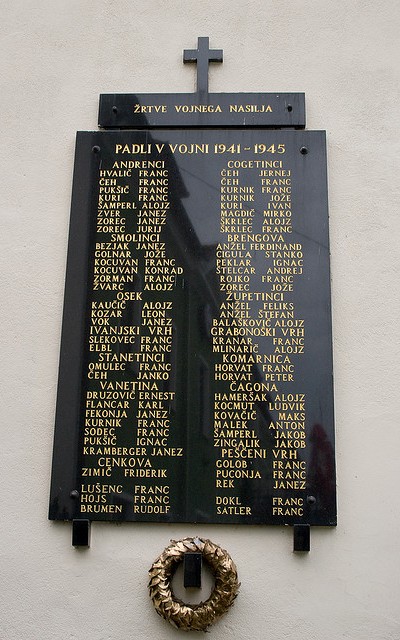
[203, 55]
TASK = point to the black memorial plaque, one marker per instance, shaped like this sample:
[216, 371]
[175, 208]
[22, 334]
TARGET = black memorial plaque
[196, 368]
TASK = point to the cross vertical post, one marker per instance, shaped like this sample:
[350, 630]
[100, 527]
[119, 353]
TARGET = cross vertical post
[203, 55]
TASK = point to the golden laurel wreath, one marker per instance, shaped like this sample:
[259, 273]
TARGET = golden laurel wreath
[196, 617]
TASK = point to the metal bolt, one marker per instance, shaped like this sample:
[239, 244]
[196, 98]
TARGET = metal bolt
[303, 150]
[74, 494]
[311, 499]
[96, 149]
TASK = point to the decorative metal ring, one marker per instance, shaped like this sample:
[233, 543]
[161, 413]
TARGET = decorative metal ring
[193, 617]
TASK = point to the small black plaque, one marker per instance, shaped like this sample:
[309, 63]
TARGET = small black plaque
[196, 367]
[144, 111]
[202, 109]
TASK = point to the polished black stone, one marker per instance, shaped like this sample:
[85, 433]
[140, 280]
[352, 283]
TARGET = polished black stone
[206, 433]
[148, 110]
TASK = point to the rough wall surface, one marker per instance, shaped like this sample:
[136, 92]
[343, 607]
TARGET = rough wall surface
[56, 58]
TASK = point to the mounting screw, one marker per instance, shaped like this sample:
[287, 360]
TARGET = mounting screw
[289, 107]
[96, 149]
[74, 494]
[115, 109]
[303, 150]
[311, 499]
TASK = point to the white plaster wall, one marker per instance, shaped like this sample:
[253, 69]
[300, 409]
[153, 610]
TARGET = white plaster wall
[55, 58]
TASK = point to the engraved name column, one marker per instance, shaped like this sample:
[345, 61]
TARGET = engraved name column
[284, 262]
[110, 389]
[236, 413]
[126, 430]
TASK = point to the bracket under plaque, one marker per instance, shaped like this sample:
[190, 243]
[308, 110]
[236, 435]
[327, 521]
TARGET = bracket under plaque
[81, 533]
[301, 537]
[192, 563]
